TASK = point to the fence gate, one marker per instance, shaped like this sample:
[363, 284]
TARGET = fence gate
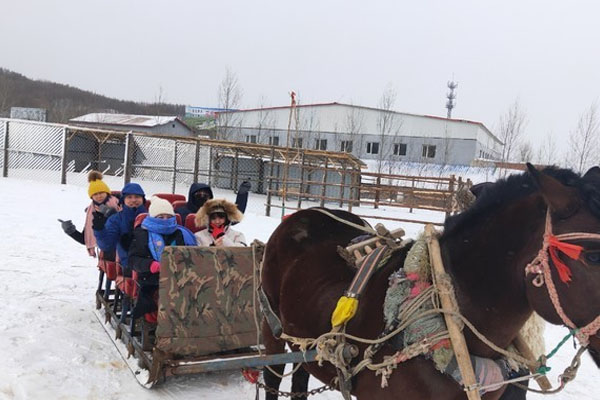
[33, 151]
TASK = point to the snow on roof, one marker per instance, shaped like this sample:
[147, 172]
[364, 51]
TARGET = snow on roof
[125, 119]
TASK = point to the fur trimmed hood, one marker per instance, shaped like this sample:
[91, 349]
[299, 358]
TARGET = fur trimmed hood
[218, 205]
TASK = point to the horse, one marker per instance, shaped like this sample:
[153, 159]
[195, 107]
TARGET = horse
[503, 254]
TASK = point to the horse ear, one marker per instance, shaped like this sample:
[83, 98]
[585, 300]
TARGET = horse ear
[561, 199]
[593, 174]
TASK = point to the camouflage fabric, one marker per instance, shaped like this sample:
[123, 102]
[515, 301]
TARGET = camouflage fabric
[205, 300]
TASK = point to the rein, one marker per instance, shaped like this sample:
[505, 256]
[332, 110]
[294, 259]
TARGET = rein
[540, 266]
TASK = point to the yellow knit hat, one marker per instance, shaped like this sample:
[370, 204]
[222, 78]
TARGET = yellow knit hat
[96, 184]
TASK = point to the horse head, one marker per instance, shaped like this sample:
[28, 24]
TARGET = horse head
[563, 281]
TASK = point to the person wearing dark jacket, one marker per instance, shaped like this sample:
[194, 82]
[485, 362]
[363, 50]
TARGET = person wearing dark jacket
[197, 196]
[116, 231]
[159, 229]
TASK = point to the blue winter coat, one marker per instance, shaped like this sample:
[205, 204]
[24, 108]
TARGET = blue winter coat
[118, 232]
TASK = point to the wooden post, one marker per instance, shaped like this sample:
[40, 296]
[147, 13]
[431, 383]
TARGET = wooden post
[451, 189]
[128, 158]
[235, 172]
[324, 182]
[174, 176]
[411, 197]
[196, 162]
[342, 185]
[270, 183]
[301, 188]
[459, 345]
[526, 352]
[63, 161]
[377, 187]
[5, 151]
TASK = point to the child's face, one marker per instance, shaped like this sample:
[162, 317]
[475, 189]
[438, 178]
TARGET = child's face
[217, 219]
[99, 197]
[133, 200]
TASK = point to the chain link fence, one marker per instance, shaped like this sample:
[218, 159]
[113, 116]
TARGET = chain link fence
[166, 164]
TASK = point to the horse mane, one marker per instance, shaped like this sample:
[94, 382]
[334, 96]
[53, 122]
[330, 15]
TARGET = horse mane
[507, 190]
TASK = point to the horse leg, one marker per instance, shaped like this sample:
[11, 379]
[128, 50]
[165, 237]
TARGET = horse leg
[300, 382]
[272, 346]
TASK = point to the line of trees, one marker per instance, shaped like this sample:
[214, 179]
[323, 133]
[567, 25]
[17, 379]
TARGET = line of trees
[63, 102]
[581, 153]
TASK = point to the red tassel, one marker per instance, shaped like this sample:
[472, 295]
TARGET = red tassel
[571, 250]
[563, 271]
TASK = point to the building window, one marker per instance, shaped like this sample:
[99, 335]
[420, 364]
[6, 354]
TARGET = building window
[400, 149]
[273, 140]
[372, 147]
[297, 142]
[428, 151]
[321, 144]
[250, 138]
[346, 146]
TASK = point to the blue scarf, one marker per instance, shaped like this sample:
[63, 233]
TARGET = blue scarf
[158, 227]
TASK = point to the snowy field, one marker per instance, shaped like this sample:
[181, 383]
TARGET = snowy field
[52, 346]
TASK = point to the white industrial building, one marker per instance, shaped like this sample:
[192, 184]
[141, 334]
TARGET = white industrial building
[368, 133]
[164, 125]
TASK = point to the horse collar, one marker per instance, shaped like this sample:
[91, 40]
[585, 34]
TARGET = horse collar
[540, 266]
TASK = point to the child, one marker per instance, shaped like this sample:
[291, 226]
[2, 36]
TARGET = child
[116, 231]
[159, 229]
[218, 215]
[100, 195]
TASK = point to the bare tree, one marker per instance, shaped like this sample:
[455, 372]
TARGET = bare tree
[230, 96]
[62, 110]
[525, 152]
[388, 128]
[265, 120]
[354, 125]
[510, 129]
[583, 141]
[547, 152]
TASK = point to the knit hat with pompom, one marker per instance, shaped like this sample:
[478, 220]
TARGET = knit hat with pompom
[97, 185]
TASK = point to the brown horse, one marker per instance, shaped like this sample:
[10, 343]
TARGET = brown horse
[485, 250]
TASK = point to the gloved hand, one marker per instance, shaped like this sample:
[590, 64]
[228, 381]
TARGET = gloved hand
[98, 221]
[106, 210]
[155, 267]
[67, 226]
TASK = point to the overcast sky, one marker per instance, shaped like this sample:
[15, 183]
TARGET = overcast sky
[544, 53]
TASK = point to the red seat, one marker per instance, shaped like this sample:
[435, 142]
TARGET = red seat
[139, 218]
[125, 284]
[178, 204]
[190, 223]
[170, 197]
[108, 267]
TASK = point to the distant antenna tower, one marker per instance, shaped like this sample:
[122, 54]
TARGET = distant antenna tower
[451, 96]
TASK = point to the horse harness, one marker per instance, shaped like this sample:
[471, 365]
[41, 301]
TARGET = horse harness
[540, 266]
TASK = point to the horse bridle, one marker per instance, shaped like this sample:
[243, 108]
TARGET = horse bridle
[540, 266]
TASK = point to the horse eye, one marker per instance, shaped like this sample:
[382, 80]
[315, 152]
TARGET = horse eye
[593, 257]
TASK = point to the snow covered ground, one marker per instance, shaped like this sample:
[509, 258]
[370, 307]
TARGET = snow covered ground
[52, 346]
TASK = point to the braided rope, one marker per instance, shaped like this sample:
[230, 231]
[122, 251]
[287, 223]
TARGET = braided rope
[541, 267]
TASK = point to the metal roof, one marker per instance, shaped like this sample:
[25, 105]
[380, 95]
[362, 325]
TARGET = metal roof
[147, 121]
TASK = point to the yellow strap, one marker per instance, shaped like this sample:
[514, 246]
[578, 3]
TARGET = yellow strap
[344, 311]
